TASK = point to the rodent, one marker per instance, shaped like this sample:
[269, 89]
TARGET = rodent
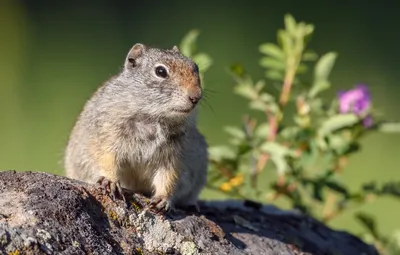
[138, 131]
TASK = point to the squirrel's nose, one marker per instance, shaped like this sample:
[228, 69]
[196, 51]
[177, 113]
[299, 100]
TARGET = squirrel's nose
[194, 95]
[194, 99]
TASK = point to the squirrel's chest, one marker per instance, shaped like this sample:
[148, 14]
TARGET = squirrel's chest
[150, 143]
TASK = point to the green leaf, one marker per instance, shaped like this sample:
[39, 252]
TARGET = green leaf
[286, 42]
[389, 127]
[317, 105]
[391, 188]
[243, 148]
[276, 149]
[262, 131]
[309, 29]
[188, 43]
[204, 61]
[235, 132]
[220, 152]
[370, 187]
[321, 143]
[290, 133]
[246, 90]
[304, 30]
[280, 164]
[290, 24]
[324, 66]
[272, 50]
[337, 122]
[300, 31]
[338, 187]
[273, 108]
[272, 63]
[235, 141]
[302, 121]
[267, 98]
[322, 71]
[317, 191]
[258, 105]
[273, 148]
[368, 222]
[338, 143]
[318, 87]
[259, 86]
[274, 75]
[393, 246]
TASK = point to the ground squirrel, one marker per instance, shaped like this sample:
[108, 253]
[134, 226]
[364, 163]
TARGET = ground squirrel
[138, 131]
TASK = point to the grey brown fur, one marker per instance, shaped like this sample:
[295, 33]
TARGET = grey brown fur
[139, 130]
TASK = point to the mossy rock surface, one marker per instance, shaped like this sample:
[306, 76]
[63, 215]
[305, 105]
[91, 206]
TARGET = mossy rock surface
[42, 213]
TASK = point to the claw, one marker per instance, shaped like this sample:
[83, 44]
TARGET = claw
[112, 188]
[160, 204]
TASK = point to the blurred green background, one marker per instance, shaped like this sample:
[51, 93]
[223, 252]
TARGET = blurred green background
[54, 54]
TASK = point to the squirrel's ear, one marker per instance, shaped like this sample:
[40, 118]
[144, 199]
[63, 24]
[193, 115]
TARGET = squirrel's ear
[175, 48]
[135, 52]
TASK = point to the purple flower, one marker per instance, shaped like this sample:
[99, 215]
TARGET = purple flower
[356, 100]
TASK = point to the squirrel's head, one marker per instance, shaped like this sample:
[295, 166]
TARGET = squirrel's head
[163, 82]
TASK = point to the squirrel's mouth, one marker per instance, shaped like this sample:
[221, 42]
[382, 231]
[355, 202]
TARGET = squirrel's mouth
[183, 110]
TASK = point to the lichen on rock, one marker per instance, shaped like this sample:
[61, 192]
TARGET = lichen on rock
[41, 213]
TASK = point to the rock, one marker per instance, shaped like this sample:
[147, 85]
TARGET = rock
[42, 213]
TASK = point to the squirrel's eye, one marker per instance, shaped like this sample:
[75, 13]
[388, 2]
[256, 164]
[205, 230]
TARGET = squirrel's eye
[161, 72]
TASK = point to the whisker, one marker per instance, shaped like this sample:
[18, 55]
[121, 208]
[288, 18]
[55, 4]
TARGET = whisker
[205, 101]
[207, 90]
[208, 96]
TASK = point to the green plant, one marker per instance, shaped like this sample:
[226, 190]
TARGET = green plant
[307, 138]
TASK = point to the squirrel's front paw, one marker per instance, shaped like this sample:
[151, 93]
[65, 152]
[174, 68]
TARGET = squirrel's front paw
[113, 188]
[160, 204]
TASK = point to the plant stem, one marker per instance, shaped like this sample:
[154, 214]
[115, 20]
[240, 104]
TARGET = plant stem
[273, 128]
[340, 164]
[328, 211]
[287, 87]
[273, 118]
